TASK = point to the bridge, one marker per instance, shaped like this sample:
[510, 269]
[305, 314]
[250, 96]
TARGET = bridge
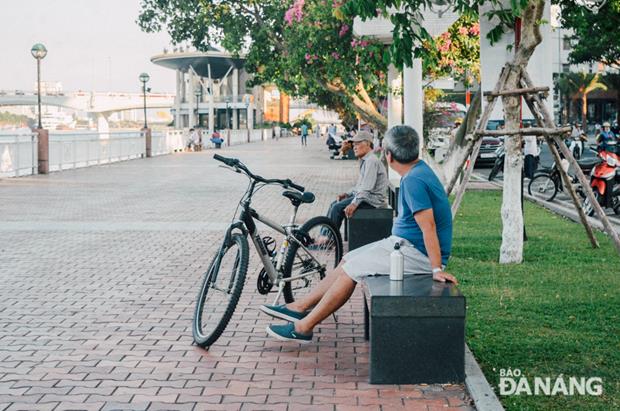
[90, 102]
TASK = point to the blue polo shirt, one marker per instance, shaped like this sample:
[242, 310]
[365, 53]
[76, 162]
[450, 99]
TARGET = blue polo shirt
[420, 189]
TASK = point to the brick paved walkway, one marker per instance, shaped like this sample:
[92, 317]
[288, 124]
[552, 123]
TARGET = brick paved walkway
[99, 269]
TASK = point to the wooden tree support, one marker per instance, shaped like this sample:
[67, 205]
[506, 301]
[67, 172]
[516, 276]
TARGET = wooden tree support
[516, 92]
[533, 97]
[546, 117]
[532, 131]
[484, 120]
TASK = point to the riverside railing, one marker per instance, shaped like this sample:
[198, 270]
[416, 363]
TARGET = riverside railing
[69, 150]
[18, 154]
[168, 141]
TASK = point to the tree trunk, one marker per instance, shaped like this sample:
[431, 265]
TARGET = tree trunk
[511, 250]
[584, 111]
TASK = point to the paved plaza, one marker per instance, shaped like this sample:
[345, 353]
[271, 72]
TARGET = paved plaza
[99, 270]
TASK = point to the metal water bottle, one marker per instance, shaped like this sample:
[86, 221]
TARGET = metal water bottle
[397, 264]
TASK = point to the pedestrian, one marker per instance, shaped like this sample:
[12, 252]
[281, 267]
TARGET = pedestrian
[532, 153]
[304, 134]
[423, 229]
[318, 131]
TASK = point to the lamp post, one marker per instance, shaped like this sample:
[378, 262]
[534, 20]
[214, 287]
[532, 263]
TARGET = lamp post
[198, 95]
[39, 52]
[144, 78]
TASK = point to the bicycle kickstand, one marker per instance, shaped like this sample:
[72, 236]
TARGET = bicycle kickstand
[280, 290]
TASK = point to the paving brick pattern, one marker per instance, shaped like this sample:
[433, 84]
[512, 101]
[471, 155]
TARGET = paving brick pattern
[99, 269]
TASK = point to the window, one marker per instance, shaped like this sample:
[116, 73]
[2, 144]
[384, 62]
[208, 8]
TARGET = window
[566, 43]
[565, 68]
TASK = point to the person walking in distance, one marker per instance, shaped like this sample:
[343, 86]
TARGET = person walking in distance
[304, 134]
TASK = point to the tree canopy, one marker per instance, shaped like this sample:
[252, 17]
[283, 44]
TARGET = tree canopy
[307, 48]
[595, 35]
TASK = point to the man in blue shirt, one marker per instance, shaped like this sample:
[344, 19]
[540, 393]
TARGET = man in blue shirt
[423, 228]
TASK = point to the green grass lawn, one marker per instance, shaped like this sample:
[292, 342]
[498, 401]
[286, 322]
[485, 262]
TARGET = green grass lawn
[557, 313]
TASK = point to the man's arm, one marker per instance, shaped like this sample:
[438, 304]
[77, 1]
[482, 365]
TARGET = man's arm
[426, 221]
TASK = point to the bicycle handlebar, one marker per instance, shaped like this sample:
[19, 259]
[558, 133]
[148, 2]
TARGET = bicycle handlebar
[235, 163]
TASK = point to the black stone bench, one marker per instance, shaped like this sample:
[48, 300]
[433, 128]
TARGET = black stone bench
[368, 225]
[393, 197]
[416, 329]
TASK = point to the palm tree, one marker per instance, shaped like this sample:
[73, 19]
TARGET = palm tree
[613, 81]
[567, 90]
[585, 83]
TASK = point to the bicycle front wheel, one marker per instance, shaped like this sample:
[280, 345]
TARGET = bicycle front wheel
[543, 187]
[220, 291]
[322, 251]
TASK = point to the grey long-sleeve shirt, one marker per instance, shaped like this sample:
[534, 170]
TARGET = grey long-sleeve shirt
[372, 184]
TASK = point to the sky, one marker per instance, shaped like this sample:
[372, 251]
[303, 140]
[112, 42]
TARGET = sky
[93, 45]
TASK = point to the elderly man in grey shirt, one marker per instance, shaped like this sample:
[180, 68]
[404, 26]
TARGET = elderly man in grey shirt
[372, 184]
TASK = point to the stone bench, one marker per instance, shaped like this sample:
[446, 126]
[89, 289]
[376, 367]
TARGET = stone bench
[416, 329]
[367, 225]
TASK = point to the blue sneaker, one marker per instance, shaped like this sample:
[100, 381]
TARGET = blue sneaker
[280, 311]
[287, 333]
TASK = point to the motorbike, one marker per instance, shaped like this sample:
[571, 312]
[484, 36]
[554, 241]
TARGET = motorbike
[605, 180]
[500, 155]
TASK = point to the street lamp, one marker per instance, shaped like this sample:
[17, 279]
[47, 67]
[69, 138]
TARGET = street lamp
[39, 52]
[144, 78]
[198, 95]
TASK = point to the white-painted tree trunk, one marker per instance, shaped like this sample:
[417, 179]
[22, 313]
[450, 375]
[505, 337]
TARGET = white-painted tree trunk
[511, 250]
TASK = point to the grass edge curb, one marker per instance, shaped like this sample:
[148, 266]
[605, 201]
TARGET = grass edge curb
[478, 387]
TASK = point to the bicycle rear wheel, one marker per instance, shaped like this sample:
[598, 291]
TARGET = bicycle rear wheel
[323, 251]
[543, 186]
[220, 291]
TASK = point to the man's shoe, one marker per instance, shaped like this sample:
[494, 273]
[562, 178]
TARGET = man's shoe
[287, 333]
[280, 311]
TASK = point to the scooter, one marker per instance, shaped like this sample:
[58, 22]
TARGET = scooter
[605, 180]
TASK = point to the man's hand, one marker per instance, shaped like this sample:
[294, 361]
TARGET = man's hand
[350, 210]
[442, 277]
[341, 196]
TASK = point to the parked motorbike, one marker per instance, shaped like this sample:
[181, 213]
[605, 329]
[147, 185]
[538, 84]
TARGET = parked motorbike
[500, 155]
[605, 180]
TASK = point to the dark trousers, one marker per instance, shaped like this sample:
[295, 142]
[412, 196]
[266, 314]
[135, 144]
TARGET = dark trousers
[304, 140]
[336, 210]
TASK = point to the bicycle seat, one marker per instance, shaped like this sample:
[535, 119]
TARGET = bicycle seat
[297, 198]
[588, 163]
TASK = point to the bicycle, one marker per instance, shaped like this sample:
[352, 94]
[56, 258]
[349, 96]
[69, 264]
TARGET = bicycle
[305, 254]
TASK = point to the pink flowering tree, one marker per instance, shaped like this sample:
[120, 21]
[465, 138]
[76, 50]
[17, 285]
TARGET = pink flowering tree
[305, 47]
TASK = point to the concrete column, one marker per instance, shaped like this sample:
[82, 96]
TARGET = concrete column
[147, 141]
[413, 97]
[395, 104]
[235, 118]
[178, 99]
[235, 82]
[251, 116]
[43, 151]
[191, 104]
[395, 110]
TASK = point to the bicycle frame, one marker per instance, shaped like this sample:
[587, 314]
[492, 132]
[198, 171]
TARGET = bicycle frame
[246, 224]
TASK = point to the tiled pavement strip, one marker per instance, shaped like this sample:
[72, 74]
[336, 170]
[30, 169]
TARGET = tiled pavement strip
[99, 269]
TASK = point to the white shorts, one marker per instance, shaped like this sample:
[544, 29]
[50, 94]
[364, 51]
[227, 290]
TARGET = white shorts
[374, 258]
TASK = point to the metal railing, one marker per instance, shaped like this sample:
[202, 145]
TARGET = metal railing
[18, 154]
[168, 141]
[69, 150]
